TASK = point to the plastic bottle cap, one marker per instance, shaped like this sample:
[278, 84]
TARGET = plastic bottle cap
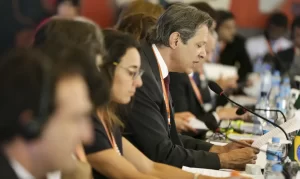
[277, 168]
[270, 157]
[275, 140]
[277, 73]
[235, 173]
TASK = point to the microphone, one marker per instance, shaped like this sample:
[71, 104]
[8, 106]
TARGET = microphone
[218, 90]
[240, 112]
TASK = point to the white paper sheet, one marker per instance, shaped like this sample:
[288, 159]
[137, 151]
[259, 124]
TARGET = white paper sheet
[197, 124]
[216, 71]
[217, 173]
[290, 126]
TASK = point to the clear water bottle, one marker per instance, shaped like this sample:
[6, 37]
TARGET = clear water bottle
[271, 160]
[276, 172]
[263, 103]
[276, 80]
[268, 127]
[275, 148]
[282, 102]
[266, 80]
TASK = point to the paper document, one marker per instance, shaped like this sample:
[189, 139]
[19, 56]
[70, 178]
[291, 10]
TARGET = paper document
[217, 173]
[208, 172]
[216, 71]
[197, 124]
[290, 126]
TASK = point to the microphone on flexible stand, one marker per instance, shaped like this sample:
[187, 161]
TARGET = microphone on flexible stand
[218, 90]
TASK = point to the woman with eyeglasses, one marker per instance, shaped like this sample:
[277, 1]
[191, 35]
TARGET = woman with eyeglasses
[111, 155]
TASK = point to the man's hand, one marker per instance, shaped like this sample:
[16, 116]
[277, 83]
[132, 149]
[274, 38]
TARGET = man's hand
[230, 113]
[238, 158]
[182, 120]
[235, 145]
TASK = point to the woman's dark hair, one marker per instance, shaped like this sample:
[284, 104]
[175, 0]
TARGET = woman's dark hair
[57, 34]
[116, 43]
[139, 25]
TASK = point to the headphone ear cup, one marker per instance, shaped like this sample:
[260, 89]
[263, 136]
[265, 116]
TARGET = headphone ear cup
[31, 130]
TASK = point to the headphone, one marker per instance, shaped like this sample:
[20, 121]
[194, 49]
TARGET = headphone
[33, 128]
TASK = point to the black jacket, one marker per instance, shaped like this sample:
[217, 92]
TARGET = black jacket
[6, 171]
[184, 99]
[284, 60]
[147, 126]
[235, 54]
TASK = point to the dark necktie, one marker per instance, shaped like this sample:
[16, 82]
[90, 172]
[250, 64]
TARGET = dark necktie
[167, 84]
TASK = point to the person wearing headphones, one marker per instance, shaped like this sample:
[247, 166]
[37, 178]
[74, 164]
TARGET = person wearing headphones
[45, 111]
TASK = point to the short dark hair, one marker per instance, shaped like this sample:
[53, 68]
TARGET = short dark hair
[223, 16]
[278, 19]
[296, 23]
[205, 7]
[138, 25]
[180, 18]
[116, 43]
[22, 74]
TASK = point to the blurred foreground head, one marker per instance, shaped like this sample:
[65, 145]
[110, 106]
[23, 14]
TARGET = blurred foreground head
[45, 108]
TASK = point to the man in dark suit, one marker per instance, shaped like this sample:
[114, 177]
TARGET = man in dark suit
[190, 93]
[177, 42]
[45, 112]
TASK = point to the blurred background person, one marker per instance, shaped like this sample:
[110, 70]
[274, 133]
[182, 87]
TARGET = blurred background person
[68, 8]
[138, 25]
[272, 41]
[140, 7]
[230, 48]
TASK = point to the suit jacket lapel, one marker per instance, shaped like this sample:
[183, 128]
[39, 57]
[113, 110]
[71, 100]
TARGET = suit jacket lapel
[148, 51]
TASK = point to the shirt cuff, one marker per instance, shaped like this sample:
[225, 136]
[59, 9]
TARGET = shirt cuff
[216, 117]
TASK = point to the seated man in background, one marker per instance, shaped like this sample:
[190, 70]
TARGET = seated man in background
[230, 48]
[288, 61]
[45, 109]
[272, 41]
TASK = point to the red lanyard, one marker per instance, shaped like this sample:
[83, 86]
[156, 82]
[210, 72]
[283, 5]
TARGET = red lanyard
[165, 94]
[110, 135]
[196, 90]
[270, 48]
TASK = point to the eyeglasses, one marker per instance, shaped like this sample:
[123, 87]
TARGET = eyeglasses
[133, 74]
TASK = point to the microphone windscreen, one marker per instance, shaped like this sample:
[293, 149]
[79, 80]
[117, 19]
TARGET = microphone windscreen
[240, 111]
[215, 87]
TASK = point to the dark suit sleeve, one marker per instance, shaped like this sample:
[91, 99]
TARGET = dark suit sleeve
[179, 88]
[149, 133]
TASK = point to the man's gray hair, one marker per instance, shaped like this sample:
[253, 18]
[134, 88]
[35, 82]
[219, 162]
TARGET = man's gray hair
[180, 18]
